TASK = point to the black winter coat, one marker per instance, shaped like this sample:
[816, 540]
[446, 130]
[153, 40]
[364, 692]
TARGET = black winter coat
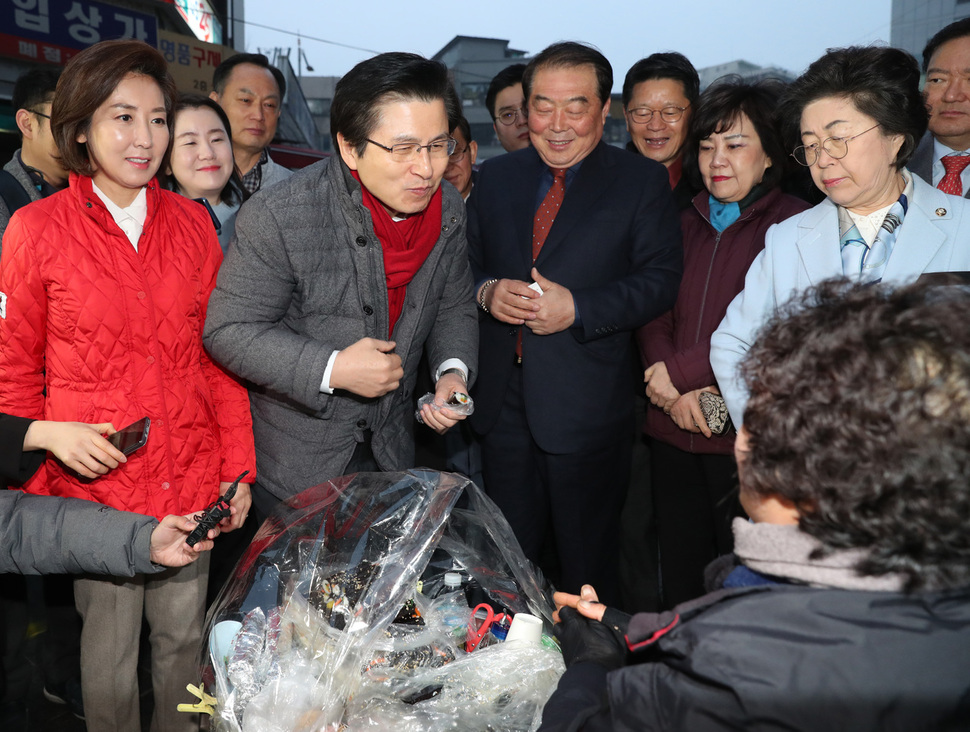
[783, 657]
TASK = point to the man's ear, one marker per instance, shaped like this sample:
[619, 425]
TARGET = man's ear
[25, 123]
[473, 150]
[214, 96]
[348, 152]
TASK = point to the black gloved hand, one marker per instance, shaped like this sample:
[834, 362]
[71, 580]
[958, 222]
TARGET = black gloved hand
[583, 639]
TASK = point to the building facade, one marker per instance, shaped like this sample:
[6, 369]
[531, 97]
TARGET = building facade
[914, 22]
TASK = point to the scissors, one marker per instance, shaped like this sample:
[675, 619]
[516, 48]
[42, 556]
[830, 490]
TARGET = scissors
[476, 632]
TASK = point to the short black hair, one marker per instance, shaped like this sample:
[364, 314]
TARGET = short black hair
[881, 82]
[859, 415]
[569, 54]
[361, 91]
[722, 104]
[224, 70]
[34, 87]
[509, 76]
[465, 129]
[958, 29]
[665, 65]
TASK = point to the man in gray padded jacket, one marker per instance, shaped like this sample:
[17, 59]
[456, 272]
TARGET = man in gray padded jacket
[341, 276]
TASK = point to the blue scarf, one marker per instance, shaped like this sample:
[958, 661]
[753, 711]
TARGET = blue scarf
[869, 262]
[723, 214]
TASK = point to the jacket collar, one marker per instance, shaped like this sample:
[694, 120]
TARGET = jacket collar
[818, 235]
[82, 189]
[702, 203]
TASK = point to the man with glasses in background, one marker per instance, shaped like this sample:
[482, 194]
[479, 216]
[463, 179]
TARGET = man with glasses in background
[506, 104]
[341, 276]
[658, 94]
[34, 171]
[460, 171]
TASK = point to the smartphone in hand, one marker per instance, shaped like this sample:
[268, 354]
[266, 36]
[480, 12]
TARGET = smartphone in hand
[131, 437]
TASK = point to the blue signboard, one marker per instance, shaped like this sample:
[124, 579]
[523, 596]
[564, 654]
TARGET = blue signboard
[74, 23]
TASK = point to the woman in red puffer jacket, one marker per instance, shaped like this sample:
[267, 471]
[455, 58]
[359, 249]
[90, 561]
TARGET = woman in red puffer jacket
[103, 291]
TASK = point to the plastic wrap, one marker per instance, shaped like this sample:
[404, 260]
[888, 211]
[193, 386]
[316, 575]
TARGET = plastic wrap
[459, 403]
[322, 626]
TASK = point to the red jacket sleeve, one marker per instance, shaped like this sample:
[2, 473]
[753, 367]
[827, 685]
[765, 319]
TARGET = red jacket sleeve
[23, 324]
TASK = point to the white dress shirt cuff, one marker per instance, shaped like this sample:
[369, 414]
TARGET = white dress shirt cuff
[325, 384]
[451, 363]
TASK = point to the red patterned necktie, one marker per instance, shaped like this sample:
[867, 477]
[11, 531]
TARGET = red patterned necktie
[545, 215]
[953, 165]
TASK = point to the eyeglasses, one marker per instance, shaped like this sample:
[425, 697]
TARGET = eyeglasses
[511, 117]
[405, 152]
[458, 155]
[643, 115]
[834, 147]
[39, 114]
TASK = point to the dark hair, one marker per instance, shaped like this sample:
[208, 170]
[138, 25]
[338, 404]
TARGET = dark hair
[509, 76]
[881, 82]
[34, 87]
[667, 65]
[958, 29]
[722, 104]
[465, 128]
[354, 112]
[86, 83]
[220, 76]
[453, 107]
[233, 192]
[859, 414]
[569, 54]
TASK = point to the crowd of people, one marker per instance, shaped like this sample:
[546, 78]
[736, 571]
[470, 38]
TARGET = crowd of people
[651, 326]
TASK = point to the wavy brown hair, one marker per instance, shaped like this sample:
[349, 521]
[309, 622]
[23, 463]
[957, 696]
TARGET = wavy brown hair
[860, 415]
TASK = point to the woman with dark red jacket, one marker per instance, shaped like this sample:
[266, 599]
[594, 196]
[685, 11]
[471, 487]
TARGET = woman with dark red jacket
[738, 151]
[104, 291]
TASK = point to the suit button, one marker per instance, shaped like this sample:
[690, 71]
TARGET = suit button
[141, 295]
[362, 423]
[368, 310]
[165, 486]
[150, 359]
[361, 241]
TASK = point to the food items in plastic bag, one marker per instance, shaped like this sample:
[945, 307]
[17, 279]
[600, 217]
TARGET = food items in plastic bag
[333, 634]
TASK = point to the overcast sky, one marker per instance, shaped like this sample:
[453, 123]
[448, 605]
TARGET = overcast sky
[766, 32]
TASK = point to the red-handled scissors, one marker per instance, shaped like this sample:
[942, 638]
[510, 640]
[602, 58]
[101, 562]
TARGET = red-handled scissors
[477, 632]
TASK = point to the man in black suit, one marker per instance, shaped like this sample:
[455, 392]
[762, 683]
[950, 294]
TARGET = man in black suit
[553, 401]
[942, 158]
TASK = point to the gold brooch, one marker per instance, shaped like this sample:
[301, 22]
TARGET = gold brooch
[941, 212]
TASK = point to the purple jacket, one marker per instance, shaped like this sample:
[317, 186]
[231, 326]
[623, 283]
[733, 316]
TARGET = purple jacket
[714, 268]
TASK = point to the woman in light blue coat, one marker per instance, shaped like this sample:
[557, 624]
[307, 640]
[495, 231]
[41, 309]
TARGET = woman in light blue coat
[859, 116]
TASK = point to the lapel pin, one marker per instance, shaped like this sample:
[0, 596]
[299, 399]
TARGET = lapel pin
[941, 212]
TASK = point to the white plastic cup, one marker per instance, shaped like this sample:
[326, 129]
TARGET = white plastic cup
[525, 628]
[220, 640]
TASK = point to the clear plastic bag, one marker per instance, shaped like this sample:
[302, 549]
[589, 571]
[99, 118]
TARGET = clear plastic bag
[459, 403]
[322, 626]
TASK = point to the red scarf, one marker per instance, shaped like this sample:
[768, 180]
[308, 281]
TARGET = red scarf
[405, 244]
